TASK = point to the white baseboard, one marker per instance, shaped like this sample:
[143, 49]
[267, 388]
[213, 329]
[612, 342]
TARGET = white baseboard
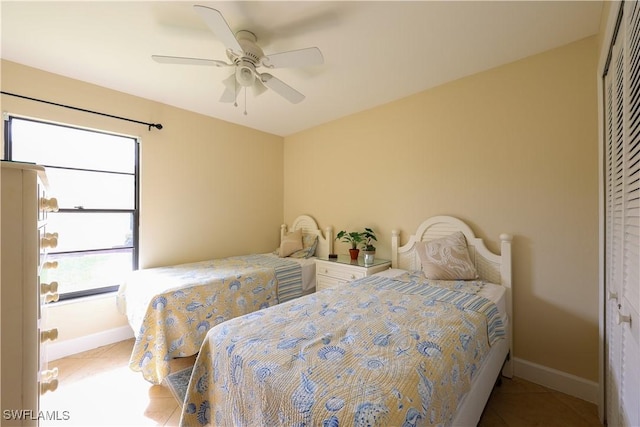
[57, 350]
[556, 380]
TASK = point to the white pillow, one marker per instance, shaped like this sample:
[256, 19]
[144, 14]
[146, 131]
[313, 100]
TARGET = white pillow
[447, 258]
[290, 243]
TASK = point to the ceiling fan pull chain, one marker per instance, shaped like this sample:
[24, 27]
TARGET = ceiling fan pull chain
[235, 91]
[245, 101]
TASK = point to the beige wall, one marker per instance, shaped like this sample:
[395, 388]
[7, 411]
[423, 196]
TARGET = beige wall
[202, 179]
[512, 149]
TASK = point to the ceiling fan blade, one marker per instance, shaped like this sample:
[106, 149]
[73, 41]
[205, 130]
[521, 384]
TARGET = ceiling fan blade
[281, 88]
[216, 22]
[294, 58]
[188, 61]
[258, 87]
[229, 94]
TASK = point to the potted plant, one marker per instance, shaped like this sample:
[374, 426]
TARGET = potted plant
[355, 238]
[368, 250]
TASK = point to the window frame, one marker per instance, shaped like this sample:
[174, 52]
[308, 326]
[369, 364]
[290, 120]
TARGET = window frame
[8, 154]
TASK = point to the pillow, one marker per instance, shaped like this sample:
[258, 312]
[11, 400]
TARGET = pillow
[291, 242]
[446, 258]
[309, 244]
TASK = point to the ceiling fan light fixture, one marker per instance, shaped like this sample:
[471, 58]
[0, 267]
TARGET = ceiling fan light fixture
[245, 73]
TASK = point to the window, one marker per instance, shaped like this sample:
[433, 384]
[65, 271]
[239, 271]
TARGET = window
[94, 176]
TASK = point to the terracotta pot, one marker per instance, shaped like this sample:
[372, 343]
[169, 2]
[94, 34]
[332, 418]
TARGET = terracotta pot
[354, 253]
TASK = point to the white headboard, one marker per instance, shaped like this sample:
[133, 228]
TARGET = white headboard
[491, 267]
[309, 225]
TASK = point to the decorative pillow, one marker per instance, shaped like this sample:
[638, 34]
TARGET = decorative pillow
[309, 244]
[447, 258]
[291, 242]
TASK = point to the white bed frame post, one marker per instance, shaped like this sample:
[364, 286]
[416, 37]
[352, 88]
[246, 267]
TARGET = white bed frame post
[395, 244]
[328, 234]
[505, 280]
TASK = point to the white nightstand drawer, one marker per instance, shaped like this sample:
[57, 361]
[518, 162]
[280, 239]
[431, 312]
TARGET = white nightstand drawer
[335, 272]
[340, 272]
[324, 282]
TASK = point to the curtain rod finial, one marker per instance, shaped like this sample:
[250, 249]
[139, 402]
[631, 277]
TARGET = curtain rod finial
[155, 125]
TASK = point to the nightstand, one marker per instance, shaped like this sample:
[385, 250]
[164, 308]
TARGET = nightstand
[333, 272]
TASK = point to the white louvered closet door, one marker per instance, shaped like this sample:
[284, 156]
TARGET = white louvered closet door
[622, 218]
[613, 246]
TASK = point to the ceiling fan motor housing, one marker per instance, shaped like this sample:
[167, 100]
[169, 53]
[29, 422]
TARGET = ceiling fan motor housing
[251, 51]
[247, 60]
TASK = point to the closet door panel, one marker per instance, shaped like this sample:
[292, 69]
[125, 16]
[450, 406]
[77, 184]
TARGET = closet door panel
[622, 222]
[630, 302]
[613, 243]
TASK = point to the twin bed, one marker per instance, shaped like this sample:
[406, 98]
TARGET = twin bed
[394, 348]
[171, 309]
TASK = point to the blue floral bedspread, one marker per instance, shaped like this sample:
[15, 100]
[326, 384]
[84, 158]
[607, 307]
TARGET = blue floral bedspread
[376, 352]
[171, 309]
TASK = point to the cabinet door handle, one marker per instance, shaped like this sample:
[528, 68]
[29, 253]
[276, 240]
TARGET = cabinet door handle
[46, 288]
[49, 205]
[49, 386]
[50, 335]
[621, 318]
[50, 264]
[612, 296]
[49, 242]
[51, 297]
[48, 375]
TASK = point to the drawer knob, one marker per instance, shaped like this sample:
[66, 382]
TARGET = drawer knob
[326, 270]
[53, 297]
[50, 264]
[49, 242]
[49, 375]
[50, 335]
[45, 288]
[353, 276]
[49, 205]
[49, 386]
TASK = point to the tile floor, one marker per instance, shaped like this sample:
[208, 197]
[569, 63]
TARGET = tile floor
[96, 388]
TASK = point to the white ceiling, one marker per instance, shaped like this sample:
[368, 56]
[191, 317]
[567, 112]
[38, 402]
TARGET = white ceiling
[374, 52]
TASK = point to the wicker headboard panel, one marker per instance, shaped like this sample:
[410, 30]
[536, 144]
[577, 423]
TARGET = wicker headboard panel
[491, 267]
[309, 225]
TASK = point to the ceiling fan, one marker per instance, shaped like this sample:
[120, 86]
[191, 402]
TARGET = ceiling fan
[247, 57]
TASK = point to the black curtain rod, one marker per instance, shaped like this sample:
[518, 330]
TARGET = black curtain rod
[151, 125]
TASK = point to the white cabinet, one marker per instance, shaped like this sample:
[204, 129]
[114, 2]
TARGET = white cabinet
[25, 240]
[333, 272]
